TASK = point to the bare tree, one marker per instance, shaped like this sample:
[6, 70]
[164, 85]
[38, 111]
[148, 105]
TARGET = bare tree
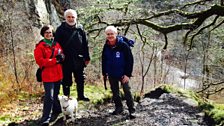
[189, 17]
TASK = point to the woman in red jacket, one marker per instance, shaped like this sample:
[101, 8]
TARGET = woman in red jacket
[48, 55]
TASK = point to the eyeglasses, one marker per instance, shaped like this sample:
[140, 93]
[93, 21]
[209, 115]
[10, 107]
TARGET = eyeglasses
[47, 32]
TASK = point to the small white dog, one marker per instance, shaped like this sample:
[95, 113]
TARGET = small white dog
[69, 107]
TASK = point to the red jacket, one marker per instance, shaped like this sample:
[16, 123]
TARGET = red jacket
[52, 71]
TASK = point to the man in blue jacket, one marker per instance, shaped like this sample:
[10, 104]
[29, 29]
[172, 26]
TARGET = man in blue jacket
[117, 65]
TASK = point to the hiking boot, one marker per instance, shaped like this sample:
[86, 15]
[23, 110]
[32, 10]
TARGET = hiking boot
[131, 110]
[41, 123]
[45, 124]
[117, 112]
[131, 116]
[132, 113]
[83, 99]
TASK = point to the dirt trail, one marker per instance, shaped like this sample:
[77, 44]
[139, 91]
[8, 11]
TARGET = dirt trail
[166, 110]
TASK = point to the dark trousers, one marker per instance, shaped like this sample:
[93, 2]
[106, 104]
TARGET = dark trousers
[114, 85]
[51, 102]
[78, 74]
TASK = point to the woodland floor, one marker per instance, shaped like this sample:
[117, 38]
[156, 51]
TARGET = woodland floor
[164, 110]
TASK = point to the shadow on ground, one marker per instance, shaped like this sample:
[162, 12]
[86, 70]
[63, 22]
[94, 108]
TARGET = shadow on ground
[99, 120]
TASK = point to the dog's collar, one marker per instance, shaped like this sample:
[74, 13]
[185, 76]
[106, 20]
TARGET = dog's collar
[65, 107]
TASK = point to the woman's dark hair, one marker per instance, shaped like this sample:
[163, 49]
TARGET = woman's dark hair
[43, 29]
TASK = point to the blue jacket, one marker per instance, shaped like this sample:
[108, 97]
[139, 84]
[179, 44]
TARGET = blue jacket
[118, 60]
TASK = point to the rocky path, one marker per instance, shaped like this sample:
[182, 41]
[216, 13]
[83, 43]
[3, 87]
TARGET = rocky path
[166, 110]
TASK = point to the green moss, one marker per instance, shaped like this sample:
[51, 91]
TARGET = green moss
[216, 113]
[182, 92]
[206, 106]
[8, 118]
[136, 96]
[5, 117]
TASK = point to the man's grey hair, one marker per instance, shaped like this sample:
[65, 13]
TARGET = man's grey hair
[114, 29]
[70, 11]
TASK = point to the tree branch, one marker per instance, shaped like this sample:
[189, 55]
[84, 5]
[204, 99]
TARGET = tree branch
[217, 25]
[199, 18]
[212, 84]
[192, 38]
[195, 20]
[195, 3]
[166, 41]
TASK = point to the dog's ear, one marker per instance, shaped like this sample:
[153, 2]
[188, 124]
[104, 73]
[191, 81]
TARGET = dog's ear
[59, 97]
[66, 98]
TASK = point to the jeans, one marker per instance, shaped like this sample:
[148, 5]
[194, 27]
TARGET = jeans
[51, 102]
[114, 85]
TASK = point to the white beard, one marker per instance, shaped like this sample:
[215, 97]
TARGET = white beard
[71, 23]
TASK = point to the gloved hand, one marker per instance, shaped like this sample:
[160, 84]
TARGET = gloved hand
[60, 58]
